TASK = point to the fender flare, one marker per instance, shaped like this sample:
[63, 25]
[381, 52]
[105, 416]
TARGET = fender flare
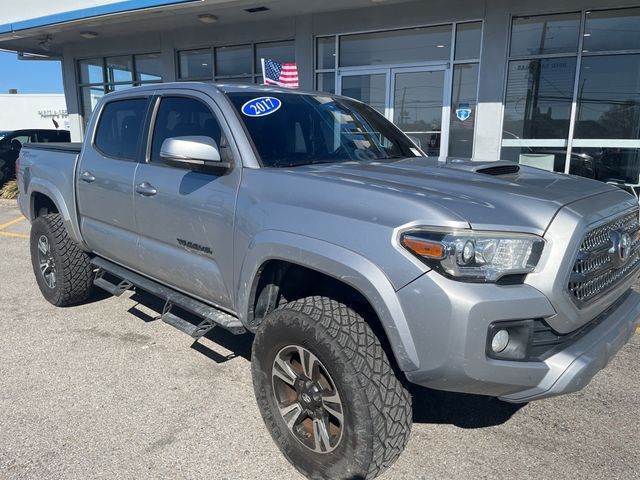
[45, 187]
[343, 265]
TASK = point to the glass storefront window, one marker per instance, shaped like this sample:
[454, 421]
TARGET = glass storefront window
[395, 47]
[119, 69]
[234, 61]
[546, 158]
[89, 98]
[98, 76]
[545, 34]
[539, 98]
[607, 164]
[281, 52]
[195, 64]
[468, 40]
[370, 88]
[464, 100]
[609, 97]
[612, 30]
[148, 67]
[91, 70]
[417, 107]
[326, 53]
[326, 82]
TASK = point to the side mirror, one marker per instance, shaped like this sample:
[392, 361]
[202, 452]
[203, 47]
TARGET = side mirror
[195, 153]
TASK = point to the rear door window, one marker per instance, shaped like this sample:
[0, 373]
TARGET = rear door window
[120, 128]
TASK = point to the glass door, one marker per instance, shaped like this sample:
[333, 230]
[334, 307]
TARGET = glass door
[415, 99]
[420, 107]
[368, 86]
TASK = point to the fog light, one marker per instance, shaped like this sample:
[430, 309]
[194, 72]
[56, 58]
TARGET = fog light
[500, 341]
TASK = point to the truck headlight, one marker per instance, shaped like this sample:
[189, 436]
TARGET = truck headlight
[475, 256]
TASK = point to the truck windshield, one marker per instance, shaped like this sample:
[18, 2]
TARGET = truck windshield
[292, 129]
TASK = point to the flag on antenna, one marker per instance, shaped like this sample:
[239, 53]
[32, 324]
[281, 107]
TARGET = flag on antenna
[280, 74]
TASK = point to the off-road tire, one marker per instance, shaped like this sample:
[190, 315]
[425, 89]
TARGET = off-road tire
[74, 273]
[377, 408]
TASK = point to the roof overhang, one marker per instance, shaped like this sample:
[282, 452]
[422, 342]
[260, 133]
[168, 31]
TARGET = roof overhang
[126, 6]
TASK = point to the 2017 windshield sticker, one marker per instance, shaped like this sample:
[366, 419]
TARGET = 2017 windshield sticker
[259, 107]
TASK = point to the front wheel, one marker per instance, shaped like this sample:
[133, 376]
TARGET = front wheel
[327, 392]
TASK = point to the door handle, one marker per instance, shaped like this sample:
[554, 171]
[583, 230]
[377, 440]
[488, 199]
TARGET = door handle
[146, 189]
[87, 176]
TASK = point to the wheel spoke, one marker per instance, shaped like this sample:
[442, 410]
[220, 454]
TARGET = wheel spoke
[284, 372]
[44, 268]
[43, 245]
[292, 414]
[308, 361]
[321, 436]
[333, 405]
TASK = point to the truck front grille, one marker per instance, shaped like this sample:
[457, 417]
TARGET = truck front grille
[608, 255]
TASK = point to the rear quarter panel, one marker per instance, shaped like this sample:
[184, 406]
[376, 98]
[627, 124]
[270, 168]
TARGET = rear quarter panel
[50, 172]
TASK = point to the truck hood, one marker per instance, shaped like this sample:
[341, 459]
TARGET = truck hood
[486, 195]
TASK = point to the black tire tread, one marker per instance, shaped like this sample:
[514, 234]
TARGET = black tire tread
[75, 271]
[388, 402]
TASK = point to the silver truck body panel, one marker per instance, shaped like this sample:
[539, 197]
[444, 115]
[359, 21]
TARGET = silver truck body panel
[343, 220]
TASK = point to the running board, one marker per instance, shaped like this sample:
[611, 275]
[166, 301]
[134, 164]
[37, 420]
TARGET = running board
[211, 317]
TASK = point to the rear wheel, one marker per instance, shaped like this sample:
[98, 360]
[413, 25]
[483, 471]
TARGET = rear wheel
[327, 391]
[63, 271]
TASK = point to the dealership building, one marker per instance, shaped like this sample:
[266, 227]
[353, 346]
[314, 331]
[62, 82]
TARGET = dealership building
[550, 83]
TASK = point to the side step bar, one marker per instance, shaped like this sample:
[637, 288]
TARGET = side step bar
[211, 317]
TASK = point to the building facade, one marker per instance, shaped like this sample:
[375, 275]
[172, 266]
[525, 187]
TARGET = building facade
[29, 111]
[554, 84]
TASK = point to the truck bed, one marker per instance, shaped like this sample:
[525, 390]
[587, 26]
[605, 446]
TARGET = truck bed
[58, 147]
[49, 169]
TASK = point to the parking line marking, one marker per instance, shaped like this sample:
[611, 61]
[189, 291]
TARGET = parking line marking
[11, 234]
[12, 222]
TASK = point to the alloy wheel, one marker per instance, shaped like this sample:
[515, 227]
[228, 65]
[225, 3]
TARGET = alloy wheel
[308, 399]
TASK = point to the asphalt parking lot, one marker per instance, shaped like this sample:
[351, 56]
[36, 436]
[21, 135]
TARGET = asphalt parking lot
[102, 390]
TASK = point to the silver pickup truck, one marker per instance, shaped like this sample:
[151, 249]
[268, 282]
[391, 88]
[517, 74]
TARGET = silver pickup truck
[359, 264]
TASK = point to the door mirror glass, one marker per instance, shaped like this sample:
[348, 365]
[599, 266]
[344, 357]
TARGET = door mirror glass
[192, 152]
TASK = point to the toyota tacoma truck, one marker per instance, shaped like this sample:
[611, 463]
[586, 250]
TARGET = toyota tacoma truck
[358, 264]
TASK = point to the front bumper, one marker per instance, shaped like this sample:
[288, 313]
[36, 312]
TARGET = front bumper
[449, 321]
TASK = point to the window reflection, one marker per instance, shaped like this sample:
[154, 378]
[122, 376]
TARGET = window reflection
[236, 60]
[196, 64]
[120, 69]
[468, 40]
[369, 89]
[417, 107]
[281, 52]
[609, 97]
[398, 46]
[614, 165]
[612, 30]
[545, 34]
[539, 97]
[463, 110]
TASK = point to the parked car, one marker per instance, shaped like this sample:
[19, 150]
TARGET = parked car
[359, 264]
[11, 143]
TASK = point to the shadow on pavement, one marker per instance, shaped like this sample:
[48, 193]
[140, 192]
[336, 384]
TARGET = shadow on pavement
[459, 409]
[429, 406]
[240, 345]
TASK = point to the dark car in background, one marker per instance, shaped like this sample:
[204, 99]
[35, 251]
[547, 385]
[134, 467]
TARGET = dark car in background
[11, 143]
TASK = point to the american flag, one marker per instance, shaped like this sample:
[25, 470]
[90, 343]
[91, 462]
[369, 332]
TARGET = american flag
[280, 74]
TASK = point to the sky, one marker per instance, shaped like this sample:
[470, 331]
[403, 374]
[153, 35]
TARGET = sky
[29, 76]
